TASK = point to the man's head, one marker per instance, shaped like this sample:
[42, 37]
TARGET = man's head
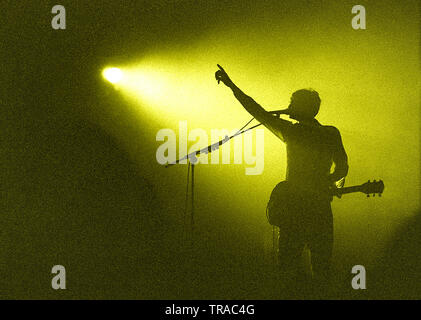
[305, 104]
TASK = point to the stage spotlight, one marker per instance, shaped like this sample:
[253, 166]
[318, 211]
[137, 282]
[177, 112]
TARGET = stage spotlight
[113, 75]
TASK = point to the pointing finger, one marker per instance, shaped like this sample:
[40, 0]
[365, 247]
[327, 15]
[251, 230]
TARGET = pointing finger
[217, 76]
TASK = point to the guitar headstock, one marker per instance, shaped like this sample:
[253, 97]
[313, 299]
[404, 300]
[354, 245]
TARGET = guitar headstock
[372, 188]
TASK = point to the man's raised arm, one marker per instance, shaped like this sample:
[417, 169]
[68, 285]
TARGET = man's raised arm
[274, 124]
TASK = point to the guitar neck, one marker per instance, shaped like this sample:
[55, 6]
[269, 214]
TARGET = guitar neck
[348, 189]
[367, 188]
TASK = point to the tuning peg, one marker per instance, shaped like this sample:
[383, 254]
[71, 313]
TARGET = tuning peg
[368, 196]
[374, 194]
[380, 194]
[374, 181]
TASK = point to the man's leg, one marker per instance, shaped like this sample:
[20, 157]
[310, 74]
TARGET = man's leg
[291, 246]
[321, 246]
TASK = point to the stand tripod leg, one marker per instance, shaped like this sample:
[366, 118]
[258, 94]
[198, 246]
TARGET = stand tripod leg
[190, 165]
[192, 199]
[186, 203]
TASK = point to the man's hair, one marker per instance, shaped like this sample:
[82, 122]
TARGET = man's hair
[306, 103]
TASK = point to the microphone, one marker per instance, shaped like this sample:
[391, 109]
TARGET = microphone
[279, 112]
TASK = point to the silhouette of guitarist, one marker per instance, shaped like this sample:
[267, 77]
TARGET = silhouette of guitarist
[312, 149]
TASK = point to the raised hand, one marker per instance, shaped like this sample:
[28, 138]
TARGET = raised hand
[221, 75]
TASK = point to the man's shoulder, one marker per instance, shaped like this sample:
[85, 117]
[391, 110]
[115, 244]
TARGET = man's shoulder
[316, 124]
[331, 129]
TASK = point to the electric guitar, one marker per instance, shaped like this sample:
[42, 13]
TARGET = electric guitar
[280, 203]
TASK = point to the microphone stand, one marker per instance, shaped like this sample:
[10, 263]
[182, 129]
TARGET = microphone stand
[192, 161]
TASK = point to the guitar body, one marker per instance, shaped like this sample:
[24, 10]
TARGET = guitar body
[281, 204]
[285, 199]
[289, 203]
